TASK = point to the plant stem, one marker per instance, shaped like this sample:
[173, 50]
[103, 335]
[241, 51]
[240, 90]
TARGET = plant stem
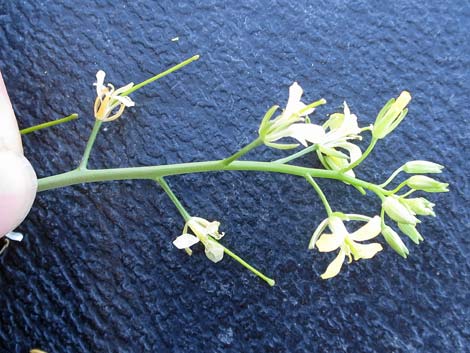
[320, 193]
[243, 151]
[91, 141]
[364, 156]
[389, 180]
[160, 75]
[48, 124]
[186, 216]
[297, 155]
[242, 262]
[79, 176]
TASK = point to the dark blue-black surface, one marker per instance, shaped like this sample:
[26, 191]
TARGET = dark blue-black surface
[97, 271]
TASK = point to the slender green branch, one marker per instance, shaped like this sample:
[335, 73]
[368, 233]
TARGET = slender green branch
[398, 188]
[173, 198]
[296, 155]
[393, 176]
[49, 124]
[89, 146]
[242, 262]
[364, 156]
[243, 151]
[160, 75]
[320, 193]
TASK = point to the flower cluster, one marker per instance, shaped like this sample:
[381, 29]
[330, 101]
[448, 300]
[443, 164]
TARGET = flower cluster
[332, 139]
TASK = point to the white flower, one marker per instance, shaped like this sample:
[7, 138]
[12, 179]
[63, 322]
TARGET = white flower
[110, 103]
[341, 129]
[291, 122]
[347, 243]
[205, 232]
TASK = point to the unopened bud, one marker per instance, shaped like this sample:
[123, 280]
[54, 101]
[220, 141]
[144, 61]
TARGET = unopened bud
[422, 167]
[411, 232]
[424, 183]
[391, 115]
[395, 242]
[420, 206]
[397, 211]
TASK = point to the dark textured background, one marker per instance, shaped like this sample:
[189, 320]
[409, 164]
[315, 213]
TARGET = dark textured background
[97, 271]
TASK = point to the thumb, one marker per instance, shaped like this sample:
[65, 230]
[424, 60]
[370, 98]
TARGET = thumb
[18, 181]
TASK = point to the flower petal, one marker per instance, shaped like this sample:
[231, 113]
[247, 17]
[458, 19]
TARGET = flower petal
[335, 266]
[14, 236]
[321, 227]
[368, 231]
[125, 100]
[185, 241]
[214, 251]
[366, 251]
[100, 75]
[305, 133]
[329, 242]
[295, 93]
[354, 151]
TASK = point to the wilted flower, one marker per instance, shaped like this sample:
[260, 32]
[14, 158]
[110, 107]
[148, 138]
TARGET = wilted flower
[391, 115]
[347, 243]
[205, 232]
[110, 103]
[291, 122]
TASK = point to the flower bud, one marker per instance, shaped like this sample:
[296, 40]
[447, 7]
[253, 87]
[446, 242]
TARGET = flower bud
[391, 115]
[424, 183]
[420, 206]
[397, 211]
[411, 232]
[395, 242]
[422, 167]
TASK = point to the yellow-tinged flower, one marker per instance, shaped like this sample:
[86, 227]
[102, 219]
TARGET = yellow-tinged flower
[204, 232]
[340, 128]
[347, 243]
[391, 115]
[110, 103]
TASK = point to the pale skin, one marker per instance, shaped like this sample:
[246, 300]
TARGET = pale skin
[18, 181]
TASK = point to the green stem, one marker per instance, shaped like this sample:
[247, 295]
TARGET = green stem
[393, 176]
[297, 155]
[320, 193]
[364, 156]
[242, 262]
[49, 124]
[398, 188]
[91, 141]
[160, 75]
[243, 151]
[79, 176]
[173, 198]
